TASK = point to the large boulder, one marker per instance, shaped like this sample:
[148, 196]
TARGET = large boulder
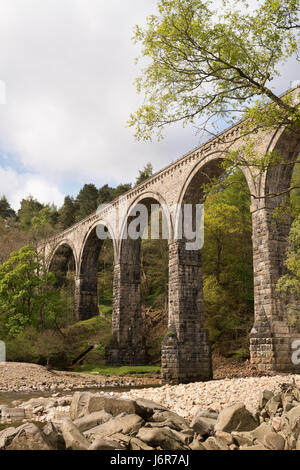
[274, 441]
[54, 436]
[164, 438]
[6, 436]
[261, 431]
[168, 418]
[107, 444]
[84, 403]
[28, 437]
[125, 424]
[92, 420]
[204, 423]
[73, 438]
[235, 418]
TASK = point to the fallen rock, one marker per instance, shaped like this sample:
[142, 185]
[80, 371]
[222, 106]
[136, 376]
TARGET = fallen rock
[160, 437]
[128, 424]
[203, 426]
[84, 403]
[274, 441]
[242, 438]
[235, 418]
[92, 420]
[212, 444]
[54, 436]
[105, 444]
[73, 438]
[28, 437]
[261, 431]
[170, 419]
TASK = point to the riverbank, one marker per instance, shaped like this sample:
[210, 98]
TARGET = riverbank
[25, 378]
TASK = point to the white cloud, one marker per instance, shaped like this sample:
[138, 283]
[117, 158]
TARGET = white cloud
[18, 186]
[69, 71]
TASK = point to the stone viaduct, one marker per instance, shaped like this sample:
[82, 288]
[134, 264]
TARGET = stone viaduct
[186, 353]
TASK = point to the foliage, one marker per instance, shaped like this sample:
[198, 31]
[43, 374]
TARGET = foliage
[6, 212]
[227, 263]
[27, 296]
[67, 213]
[203, 63]
[289, 284]
[86, 201]
[145, 173]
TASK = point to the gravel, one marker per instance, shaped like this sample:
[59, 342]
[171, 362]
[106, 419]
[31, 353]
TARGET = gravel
[24, 377]
[186, 400]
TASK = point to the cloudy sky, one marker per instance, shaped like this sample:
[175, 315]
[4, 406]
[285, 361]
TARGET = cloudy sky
[68, 67]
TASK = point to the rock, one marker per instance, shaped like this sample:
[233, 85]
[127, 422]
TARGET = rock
[207, 414]
[235, 418]
[162, 437]
[28, 437]
[128, 424]
[276, 423]
[54, 436]
[273, 405]
[92, 420]
[224, 438]
[84, 403]
[265, 396]
[6, 435]
[293, 417]
[255, 447]
[260, 432]
[211, 444]
[104, 444]
[73, 438]
[79, 405]
[173, 420]
[290, 427]
[197, 445]
[203, 426]
[274, 441]
[242, 438]
[137, 444]
[12, 413]
[147, 407]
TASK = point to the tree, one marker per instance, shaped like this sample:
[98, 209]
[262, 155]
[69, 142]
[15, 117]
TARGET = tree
[227, 264]
[204, 64]
[86, 201]
[145, 173]
[66, 216]
[29, 208]
[289, 284]
[6, 211]
[27, 294]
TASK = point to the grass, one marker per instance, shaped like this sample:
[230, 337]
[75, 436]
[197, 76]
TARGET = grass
[121, 371]
[105, 309]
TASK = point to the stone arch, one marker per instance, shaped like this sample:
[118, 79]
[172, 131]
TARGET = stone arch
[62, 258]
[148, 198]
[127, 346]
[86, 297]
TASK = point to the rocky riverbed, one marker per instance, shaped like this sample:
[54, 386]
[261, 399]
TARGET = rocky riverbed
[232, 413]
[111, 421]
[26, 378]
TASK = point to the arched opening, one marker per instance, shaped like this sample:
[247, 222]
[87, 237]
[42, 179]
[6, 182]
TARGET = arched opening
[141, 285]
[216, 280]
[63, 266]
[95, 281]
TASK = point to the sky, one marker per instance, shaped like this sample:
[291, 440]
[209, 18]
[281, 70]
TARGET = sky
[68, 71]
